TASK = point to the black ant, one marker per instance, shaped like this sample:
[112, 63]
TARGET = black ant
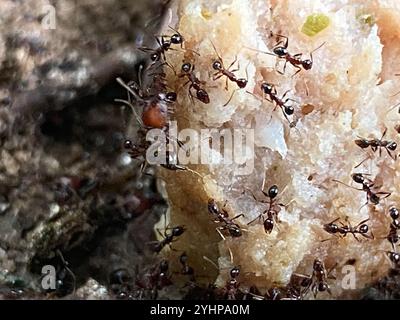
[195, 83]
[317, 282]
[367, 185]
[230, 291]
[168, 238]
[376, 144]
[361, 229]
[222, 216]
[218, 66]
[156, 279]
[270, 94]
[163, 46]
[394, 257]
[393, 236]
[186, 269]
[280, 50]
[272, 211]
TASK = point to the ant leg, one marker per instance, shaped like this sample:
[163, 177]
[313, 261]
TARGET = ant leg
[257, 218]
[217, 76]
[286, 40]
[220, 233]
[238, 216]
[254, 197]
[284, 95]
[233, 93]
[298, 70]
[334, 180]
[276, 67]
[234, 61]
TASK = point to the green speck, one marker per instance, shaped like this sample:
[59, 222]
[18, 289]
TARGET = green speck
[315, 23]
[367, 19]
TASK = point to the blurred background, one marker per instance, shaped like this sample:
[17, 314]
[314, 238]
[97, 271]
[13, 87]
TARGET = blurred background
[70, 197]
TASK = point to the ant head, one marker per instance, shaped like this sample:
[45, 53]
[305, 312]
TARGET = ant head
[318, 265]
[186, 67]
[392, 146]
[202, 95]
[289, 110]
[241, 83]
[357, 178]
[154, 56]
[322, 286]
[280, 51]
[235, 272]
[176, 38]
[363, 228]
[267, 88]
[362, 143]
[307, 64]
[217, 65]
[128, 144]
[394, 213]
[177, 231]
[394, 257]
[171, 96]
[268, 225]
[273, 191]
[164, 265]
[235, 231]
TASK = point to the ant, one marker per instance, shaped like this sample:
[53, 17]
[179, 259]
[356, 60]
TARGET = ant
[156, 279]
[367, 185]
[222, 216]
[394, 257]
[317, 282]
[218, 66]
[186, 270]
[272, 211]
[168, 238]
[195, 83]
[230, 291]
[376, 144]
[163, 46]
[270, 94]
[280, 50]
[393, 236]
[361, 229]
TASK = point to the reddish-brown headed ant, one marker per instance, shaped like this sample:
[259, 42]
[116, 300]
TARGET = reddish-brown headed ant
[231, 289]
[218, 66]
[222, 216]
[272, 211]
[361, 229]
[280, 50]
[367, 185]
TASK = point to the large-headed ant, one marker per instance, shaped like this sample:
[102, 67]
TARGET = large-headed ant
[361, 229]
[270, 94]
[376, 144]
[280, 50]
[367, 185]
[218, 66]
[272, 210]
[222, 216]
[187, 70]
